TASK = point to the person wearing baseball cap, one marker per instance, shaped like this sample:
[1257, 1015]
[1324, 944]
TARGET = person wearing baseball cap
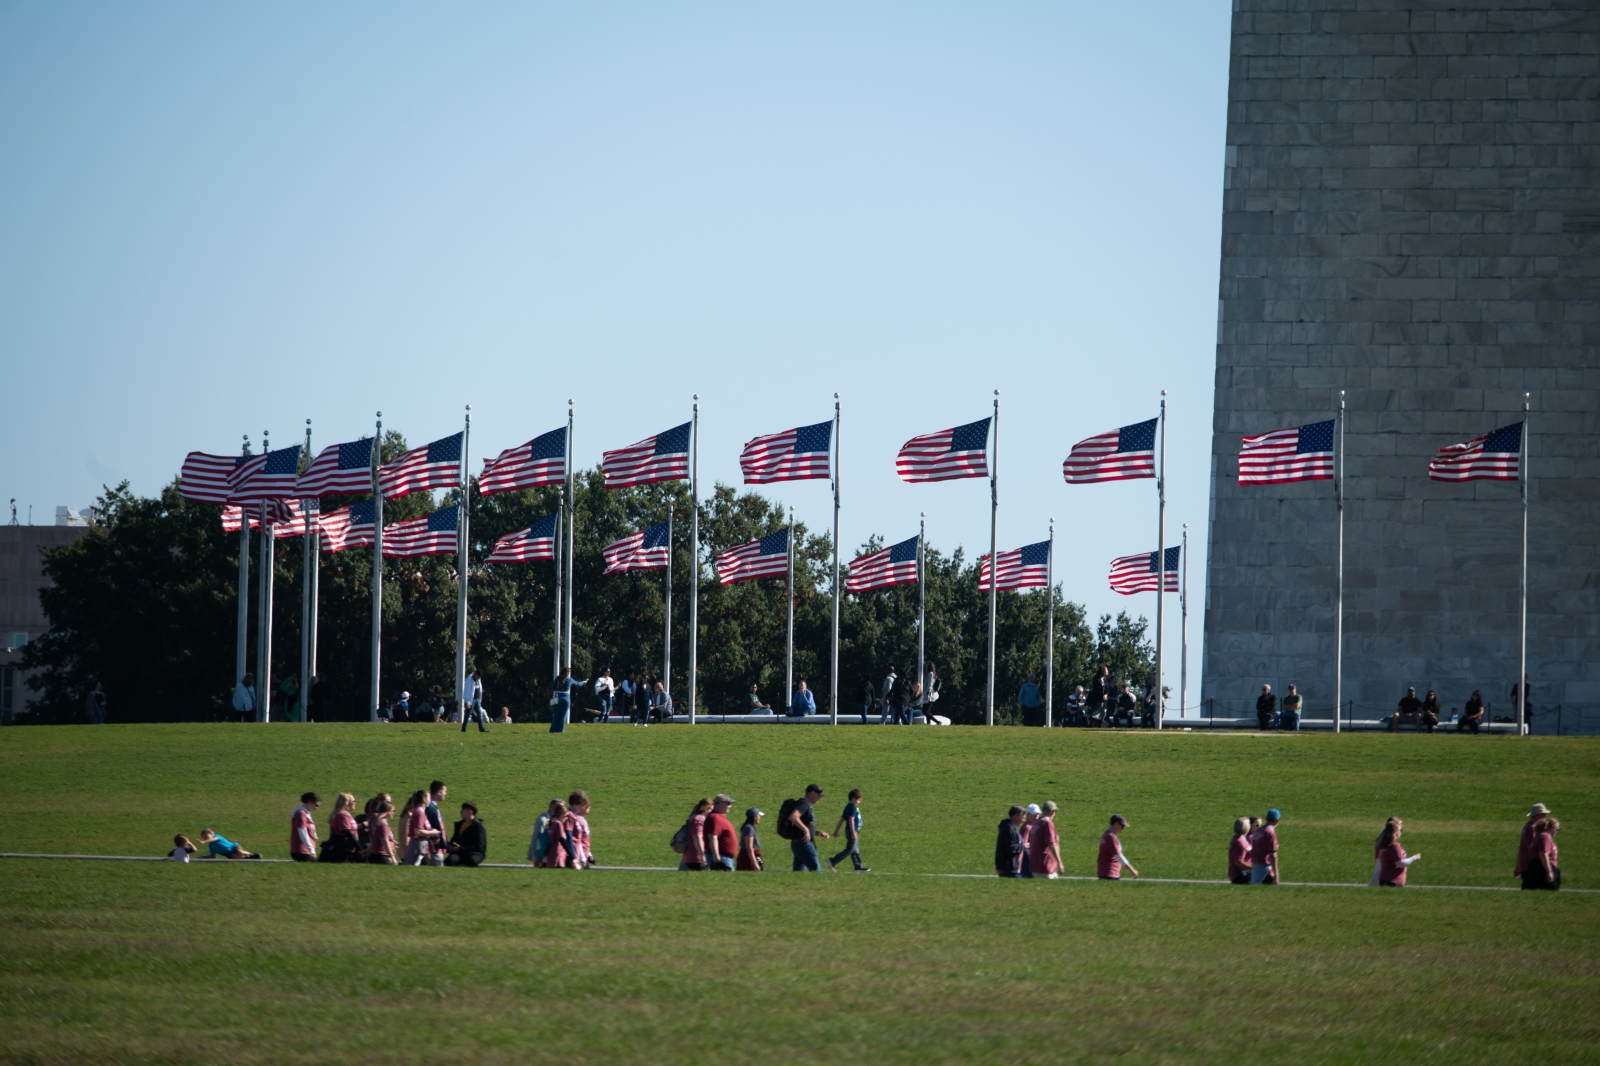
[1525, 848]
[1028, 819]
[1264, 851]
[722, 846]
[749, 841]
[801, 829]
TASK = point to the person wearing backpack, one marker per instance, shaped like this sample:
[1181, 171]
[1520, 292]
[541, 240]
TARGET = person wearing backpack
[797, 823]
[690, 841]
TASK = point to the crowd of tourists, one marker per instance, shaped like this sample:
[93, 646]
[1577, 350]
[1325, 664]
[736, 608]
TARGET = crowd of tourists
[1027, 843]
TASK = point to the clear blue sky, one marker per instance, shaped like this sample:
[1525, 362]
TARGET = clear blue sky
[219, 219]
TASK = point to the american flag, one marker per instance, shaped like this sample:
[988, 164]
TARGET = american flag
[1137, 573]
[1027, 567]
[432, 466]
[946, 455]
[431, 534]
[1120, 455]
[1494, 456]
[894, 565]
[338, 468]
[286, 517]
[537, 541]
[541, 461]
[348, 527]
[793, 455]
[644, 550]
[204, 477]
[767, 557]
[1300, 453]
[664, 457]
[268, 476]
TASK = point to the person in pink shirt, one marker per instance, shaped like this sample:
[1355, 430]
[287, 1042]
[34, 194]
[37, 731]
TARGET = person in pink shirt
[578, 828]
[694, 852]
[344, 836]
[380, 848]
[1525, 846]
[1239, 853]
[556, 850]
[1391, 856]
[1044, 845]
[419, 836]
[1264, 851]
[1543, 870]
[1029, 819]
[1111, 860]
[303, 829]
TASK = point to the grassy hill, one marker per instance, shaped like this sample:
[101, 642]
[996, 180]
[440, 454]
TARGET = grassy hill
[276, 963]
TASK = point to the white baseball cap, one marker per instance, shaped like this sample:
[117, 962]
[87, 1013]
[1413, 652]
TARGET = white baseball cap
[1033, 808]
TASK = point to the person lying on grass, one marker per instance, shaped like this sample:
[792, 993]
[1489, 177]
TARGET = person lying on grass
[220, 846]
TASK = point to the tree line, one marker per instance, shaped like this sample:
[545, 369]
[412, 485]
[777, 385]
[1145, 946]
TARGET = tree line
[146, 603]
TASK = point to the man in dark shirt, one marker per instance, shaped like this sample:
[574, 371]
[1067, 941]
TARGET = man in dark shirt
[1409, 710]
[1266, 707]
[1008, 844]
[804, 819]
[470, 842]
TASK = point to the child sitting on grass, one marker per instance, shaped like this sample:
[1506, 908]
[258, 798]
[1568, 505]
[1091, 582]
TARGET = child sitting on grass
[185, 848]
[219, 846]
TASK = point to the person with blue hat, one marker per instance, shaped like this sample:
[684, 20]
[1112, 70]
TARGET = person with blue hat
[1264, 851]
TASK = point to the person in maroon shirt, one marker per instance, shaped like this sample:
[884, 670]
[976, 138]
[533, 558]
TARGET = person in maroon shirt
[1111, 860]
[1392, 858]
[1525, 846]
[1264, 851]
[1239, 853]
[1544, 868]
[722, 844]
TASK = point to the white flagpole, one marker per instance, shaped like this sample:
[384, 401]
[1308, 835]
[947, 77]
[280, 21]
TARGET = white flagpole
[264, 626]
[833, 697]
[463, 561]
[789, 662]
[922, 609]
[1183, 608]
[1161, 552]
[1049, 627]
[559, 546]
[694, 559]
[306, 587]
[241, 648]
[666, 642]
[1338, 595]
[572, 532]
[1522, 626]
[375, 696]
[994, 533]
[316, 594]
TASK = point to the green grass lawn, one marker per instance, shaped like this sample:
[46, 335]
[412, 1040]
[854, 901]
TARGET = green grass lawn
[275, 963]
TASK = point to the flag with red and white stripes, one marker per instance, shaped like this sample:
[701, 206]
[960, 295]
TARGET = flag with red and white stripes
[1137, 573]
[767, 557]
[536, 541]
[432, 466]
[1299, 453]
[286, 516]
[541, 461]
[644, 550]
[894, 565]
[338, 468]
[799, 454]
[430, 534]
[946, 455]
[663, 457]
[204, 477]
[1494, 456]
[268, 476]
[1120, 455]
[348, 527]
[1027, 567]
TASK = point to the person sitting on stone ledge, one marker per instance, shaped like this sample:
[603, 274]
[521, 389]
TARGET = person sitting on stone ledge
[1430, 711]
[1472, 717]
[1408, 710]
[1266, 707]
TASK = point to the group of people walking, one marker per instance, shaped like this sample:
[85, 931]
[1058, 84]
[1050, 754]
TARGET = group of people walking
[707, 841]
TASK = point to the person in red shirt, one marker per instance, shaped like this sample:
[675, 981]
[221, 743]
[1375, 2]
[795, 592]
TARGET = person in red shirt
[1392, 859]
[1239, 853]
[722, 843]
[1264, 851]
[303, 830]
[1525, 846]
[1109, 864]
[1044, 844]
[1544, 868]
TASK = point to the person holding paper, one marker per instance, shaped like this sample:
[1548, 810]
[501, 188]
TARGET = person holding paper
[1392, 858]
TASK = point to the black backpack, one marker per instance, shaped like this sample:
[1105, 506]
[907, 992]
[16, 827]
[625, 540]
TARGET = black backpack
[786, 827]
